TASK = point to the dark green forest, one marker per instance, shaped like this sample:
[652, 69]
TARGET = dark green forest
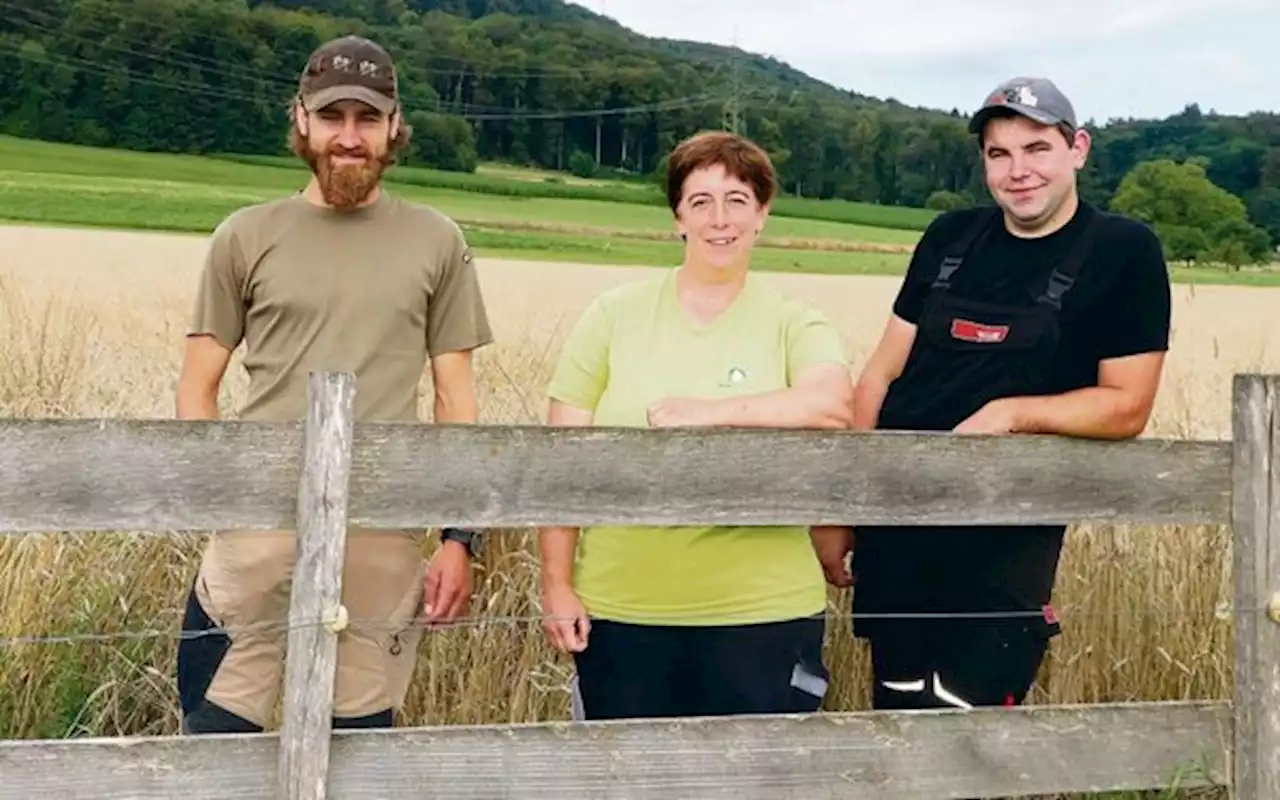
[538, 82]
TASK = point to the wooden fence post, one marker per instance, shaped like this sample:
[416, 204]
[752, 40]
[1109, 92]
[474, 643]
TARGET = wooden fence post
[311, 662]
[1256, 569]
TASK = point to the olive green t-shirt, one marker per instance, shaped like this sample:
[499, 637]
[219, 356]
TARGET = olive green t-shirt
[634, 345]
[374, 292]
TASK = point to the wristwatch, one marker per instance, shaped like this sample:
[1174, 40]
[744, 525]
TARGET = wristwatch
[472, 540]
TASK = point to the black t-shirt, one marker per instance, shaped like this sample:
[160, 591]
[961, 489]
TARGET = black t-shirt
[1119, 305]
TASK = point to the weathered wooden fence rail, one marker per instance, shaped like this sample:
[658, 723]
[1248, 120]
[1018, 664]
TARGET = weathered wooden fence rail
[85, 476]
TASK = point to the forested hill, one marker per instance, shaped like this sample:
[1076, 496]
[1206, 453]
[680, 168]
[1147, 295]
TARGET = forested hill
[542, 82]
[535, 81]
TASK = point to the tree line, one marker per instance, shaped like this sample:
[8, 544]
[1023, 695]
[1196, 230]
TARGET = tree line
[543, 83]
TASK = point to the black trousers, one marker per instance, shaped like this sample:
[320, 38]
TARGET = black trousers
[200, 652]
[631, 671]
[955, 663]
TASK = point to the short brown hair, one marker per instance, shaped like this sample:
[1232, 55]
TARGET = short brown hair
[1064, 128]
[740, 157]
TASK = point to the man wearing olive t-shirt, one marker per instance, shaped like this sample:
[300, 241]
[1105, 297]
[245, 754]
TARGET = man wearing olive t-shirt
[342, 276]
[1041, 314]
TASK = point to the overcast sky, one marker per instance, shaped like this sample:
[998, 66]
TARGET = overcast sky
[1114, 58]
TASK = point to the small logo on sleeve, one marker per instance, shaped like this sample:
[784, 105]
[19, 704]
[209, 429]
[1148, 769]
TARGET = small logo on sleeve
[969, 331]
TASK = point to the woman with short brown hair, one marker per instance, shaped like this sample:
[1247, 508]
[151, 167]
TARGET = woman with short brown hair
[697, 620]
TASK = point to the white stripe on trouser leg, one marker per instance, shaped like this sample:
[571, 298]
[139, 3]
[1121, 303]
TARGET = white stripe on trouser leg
[946, 696]
[578, 709]
[941, 692]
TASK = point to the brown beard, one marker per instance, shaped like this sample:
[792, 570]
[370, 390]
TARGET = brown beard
[347, 187]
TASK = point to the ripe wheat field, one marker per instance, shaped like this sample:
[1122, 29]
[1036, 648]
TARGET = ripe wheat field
[91, 325]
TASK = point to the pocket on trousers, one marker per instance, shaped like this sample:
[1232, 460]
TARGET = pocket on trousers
[809, 685]
[398, 641]
[243, 585]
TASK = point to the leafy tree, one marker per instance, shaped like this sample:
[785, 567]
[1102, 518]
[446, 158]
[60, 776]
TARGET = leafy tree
[1264, 211]
[1239, 241]
[534, 82]
[1181, 242]
[442, 141]
[582, 164]
[943, 200]
[1195, 218]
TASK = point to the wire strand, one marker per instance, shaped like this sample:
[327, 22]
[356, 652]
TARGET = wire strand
[477, 622]
[126, 24]
[105, 69]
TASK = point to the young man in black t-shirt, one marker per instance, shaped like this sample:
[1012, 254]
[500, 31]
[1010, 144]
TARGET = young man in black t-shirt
[1041, 314]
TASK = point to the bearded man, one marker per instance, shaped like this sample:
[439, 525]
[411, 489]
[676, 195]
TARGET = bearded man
[342, 276]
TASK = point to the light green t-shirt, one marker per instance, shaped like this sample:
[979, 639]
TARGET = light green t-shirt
[634, 345]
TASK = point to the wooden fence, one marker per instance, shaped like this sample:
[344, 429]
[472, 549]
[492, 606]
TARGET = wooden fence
[84, 476]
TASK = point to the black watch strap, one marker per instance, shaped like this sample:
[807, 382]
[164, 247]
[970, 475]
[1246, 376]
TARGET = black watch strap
[471, 540]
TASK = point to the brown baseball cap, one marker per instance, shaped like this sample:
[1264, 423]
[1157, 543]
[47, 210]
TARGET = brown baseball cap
[349, 68]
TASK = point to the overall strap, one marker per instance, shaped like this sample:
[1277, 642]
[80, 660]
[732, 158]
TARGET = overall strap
[1063, 276]
[954, 254]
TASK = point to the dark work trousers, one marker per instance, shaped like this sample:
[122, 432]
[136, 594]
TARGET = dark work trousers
[956, 663]
[199, 656]
[630, 671]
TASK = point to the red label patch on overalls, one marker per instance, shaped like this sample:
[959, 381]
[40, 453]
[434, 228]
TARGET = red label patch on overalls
[1050, 616]
[977, 332]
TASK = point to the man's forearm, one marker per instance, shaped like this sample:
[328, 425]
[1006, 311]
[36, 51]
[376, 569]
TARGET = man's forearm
[818, 534]
[192, 404]
[1093, 412]
[868, 397]
[556, 545]
[456, 407]
[785, 408]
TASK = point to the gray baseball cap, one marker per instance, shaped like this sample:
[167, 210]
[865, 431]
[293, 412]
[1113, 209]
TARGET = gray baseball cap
[1036, 98]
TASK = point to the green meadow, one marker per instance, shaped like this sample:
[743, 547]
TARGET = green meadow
[508, 212]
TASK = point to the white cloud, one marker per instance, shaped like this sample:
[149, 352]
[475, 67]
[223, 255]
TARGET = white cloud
[1119, 57]
[900, 27]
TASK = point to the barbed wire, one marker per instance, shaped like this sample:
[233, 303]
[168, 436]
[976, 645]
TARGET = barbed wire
[279, 626]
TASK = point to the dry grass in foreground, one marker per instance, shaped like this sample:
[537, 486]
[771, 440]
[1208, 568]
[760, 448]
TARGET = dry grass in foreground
[1140, 605]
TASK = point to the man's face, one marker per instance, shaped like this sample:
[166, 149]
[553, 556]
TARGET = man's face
[1031, 168]
[348, 146]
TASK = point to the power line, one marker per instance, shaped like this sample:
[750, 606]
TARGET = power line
[467, 65]
[187, 61]
[110, 70]
[1222, 614]
[285, 85]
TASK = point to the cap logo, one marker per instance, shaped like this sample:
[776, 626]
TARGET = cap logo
[1019, 94]
[349, 68]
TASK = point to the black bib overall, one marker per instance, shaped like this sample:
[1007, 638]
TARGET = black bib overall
[966, 353]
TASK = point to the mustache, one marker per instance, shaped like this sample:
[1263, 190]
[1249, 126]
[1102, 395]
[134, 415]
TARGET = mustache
[348, 152]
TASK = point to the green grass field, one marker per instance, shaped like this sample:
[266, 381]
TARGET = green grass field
[507, 211]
